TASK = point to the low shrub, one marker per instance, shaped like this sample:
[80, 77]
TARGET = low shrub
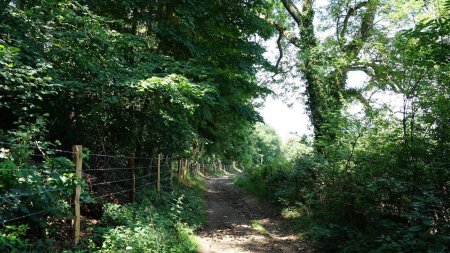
[361, 208]
[116, 215]
[11, 239]
[157, 222]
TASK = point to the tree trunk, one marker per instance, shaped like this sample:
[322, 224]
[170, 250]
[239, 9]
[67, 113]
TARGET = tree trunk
[325, 94]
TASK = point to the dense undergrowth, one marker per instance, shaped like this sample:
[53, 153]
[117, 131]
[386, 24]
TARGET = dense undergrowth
[37, 185]
[36, 210]
[154, 223]
[368, 211]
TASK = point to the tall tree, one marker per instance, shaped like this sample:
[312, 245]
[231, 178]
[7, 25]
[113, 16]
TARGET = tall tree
[136, 74]
[324, 64]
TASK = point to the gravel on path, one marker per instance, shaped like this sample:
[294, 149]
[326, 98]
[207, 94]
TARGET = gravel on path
[240, 223]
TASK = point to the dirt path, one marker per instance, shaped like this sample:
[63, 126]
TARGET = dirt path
[238, 223]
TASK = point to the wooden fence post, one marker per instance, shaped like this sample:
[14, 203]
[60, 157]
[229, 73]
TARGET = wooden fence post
[171, 173]
[133, 177]
[179, 168]
[78, 161]
[186, 164]
[159, 173]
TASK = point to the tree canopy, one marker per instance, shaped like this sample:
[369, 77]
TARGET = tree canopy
[144, 75]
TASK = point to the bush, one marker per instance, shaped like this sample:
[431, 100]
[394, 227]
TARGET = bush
[372, 206]
[35, 188]
[116, 215]
[157, 222]
[12, 239]
[149, 238]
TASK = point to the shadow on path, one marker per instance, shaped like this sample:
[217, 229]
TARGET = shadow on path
[239, 222]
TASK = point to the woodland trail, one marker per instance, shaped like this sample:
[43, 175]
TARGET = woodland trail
[238, 223]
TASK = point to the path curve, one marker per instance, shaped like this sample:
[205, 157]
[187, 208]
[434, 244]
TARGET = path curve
[239, 223]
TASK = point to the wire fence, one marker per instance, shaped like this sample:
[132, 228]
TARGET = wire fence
[48, 191]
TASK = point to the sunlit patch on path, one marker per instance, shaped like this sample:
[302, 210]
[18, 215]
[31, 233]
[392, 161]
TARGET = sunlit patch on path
[238, 223]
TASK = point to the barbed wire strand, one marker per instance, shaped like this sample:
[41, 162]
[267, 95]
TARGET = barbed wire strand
[46, 210]
[121, 180]
[119, 168]
[36, 147]
[71, 152]
[36, 169]
[119, 156]
[31, 193]
[27, 215]
[131, 189]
